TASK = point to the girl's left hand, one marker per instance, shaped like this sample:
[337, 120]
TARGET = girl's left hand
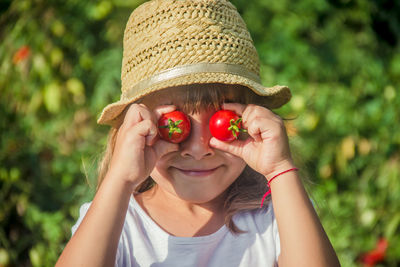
[267, 151]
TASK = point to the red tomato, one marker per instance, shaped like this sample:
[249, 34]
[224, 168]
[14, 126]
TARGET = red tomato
[21, 54]
[371, 258]
[225, 125]
[174, 126]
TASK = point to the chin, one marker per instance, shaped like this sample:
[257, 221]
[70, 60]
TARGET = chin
[200, 196]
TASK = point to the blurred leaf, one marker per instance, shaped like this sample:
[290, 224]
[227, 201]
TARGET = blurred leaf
[58, 28]
[4, 257]
[56, 56]
[392, 226]
[107, 88]
[52, 97]
[101, 10]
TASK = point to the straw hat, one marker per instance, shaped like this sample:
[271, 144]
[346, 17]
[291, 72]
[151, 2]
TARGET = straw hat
[171, 43]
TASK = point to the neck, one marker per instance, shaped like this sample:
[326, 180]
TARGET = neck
[215, 206]
[182, 218]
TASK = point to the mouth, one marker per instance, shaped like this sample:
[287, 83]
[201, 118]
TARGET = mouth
[197, 172]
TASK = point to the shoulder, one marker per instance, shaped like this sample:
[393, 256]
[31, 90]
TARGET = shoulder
[261, 233]
[259, 220]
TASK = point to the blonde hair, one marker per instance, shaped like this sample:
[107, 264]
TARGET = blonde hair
[246, 191]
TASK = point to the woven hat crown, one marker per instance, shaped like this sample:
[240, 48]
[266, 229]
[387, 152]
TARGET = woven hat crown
[169, 43]
[163, 34]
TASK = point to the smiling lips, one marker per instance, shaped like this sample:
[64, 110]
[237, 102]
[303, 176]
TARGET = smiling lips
[198, 172]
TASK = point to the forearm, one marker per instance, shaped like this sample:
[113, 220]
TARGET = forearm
[96, 240]
[303, 239]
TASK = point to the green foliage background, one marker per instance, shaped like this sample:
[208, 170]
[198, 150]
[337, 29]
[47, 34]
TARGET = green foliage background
[340, 57]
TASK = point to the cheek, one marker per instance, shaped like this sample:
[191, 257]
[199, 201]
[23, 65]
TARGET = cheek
[160, 169]
[161, 173]
[235, 164]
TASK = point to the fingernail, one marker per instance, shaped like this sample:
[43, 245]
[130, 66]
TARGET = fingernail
[212, 141]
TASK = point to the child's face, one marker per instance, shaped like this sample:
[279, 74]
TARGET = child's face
[196, 173]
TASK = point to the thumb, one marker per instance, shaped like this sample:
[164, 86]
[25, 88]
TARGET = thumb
[162, 147]
[235, 147]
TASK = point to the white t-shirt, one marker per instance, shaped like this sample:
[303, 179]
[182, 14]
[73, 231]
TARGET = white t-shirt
[144, 243]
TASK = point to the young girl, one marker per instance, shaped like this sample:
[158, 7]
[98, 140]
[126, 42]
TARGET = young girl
[196, 203]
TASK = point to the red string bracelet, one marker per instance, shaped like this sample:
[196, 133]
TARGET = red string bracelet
[269, 184]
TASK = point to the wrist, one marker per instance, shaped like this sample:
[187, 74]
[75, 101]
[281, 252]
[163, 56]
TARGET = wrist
[271, 178]
[283, 166]
[118, 182]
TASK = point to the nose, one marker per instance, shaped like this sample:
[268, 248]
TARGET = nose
[197, 145]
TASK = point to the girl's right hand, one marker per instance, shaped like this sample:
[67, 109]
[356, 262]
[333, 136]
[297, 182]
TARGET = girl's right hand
[138, 146]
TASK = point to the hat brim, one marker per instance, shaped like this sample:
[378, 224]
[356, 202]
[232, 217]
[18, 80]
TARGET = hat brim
[277, 95]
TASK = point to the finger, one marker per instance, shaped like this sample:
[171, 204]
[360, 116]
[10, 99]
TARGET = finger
[235, 147]
[238, 108]
[152, 136]
[256, 127]
[160, 110]
[146, 129]
[242, 110]
[254, 112]
[137, 113]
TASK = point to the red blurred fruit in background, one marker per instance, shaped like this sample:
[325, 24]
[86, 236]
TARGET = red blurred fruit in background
[21, 54]
[376, 255]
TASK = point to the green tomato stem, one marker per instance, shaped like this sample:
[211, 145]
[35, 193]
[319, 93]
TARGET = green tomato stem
[172, 126]
[235, 129]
